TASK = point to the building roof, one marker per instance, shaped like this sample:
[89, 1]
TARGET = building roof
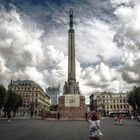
[26, 83]
[22, 83]
[107, 93]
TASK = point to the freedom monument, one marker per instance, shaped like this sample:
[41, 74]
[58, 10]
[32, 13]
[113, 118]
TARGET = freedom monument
[71, 103]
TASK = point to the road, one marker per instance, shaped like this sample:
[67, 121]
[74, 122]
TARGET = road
[31, 129]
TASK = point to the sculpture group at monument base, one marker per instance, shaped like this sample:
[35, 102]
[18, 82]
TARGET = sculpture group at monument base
[72, 107]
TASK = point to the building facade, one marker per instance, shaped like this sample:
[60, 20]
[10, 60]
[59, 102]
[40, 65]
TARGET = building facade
[35, 100]
[109, 104]
[54, 93]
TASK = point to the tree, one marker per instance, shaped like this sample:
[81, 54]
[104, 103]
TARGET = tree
[18, 103]
[2, 96]
[10, 100]
[13, 102]
[32, 109]
[137, 99]
[134, 99]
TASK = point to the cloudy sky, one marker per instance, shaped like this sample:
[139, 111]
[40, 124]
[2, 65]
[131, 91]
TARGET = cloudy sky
[34, 41]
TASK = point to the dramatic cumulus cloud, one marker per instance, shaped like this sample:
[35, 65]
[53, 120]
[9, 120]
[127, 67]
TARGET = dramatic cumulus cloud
[120, 2]
[20, 46]
[96, 36]
[127, 38]
[33, 44]
[22, 54]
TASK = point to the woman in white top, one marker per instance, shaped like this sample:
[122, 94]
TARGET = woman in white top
[94, 126]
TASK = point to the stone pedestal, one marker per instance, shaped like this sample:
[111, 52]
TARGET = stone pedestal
[72, 107]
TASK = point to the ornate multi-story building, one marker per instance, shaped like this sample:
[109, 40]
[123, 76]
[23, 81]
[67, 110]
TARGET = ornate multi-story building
[110, 103]
[35, 100]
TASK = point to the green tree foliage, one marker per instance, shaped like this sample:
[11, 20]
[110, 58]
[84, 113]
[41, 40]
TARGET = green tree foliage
[18, 103]
[31, 108]
[13, 102]
[134, 99]
[2, 96]
[131, 100]
[10, 101]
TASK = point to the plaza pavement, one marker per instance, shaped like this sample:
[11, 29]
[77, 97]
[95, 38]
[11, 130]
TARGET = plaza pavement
[31, 129]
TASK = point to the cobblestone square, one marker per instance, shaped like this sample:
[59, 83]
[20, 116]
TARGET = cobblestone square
[27, 129]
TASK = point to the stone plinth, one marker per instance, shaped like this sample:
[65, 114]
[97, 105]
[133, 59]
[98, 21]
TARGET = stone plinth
[72, 107]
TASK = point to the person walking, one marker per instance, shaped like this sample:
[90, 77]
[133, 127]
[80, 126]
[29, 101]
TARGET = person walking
[9, 117]
[132, 117]
[138, 119]
[94, 126]
[120, 120]
[116, 120]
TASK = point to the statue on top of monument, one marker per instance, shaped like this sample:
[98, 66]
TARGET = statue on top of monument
[71, 18]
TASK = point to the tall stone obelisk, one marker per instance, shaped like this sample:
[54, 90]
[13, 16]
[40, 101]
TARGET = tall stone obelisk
[72, 103]
[71, 87]
[71, 51]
